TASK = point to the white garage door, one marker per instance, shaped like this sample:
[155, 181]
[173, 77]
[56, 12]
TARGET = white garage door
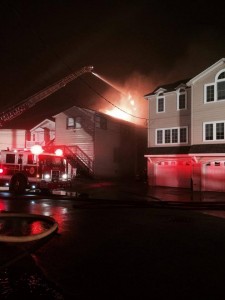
[213, 178]
[173, 173]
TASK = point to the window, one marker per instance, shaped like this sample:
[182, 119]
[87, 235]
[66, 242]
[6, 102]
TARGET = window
[172, 135]
[215, 91]
[70, 123]
[160, 103]
[209, 93]
[74, 123]
[159, 137]
[100, 122]
[214, 131]
[10, 158]
[167, 136]
[209, 132]
[183, 135]
[181, 99]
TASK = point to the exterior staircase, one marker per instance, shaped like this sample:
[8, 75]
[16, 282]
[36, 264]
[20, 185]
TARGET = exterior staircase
[76, 157]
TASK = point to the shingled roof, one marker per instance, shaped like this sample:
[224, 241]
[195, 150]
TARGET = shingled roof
[168, 87]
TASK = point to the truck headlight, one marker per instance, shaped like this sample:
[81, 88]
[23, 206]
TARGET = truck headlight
[46, 176]
[64, 176]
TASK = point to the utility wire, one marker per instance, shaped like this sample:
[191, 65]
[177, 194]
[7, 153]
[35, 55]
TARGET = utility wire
[94, 90]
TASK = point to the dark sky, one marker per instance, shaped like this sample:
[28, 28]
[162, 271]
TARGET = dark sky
[133, 44]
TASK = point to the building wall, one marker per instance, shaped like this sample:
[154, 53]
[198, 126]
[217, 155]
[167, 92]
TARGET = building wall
[107, 143]
[171, 117]
[205, 112]
[70, 137]
[112, 145]
[12, 139]
[201, 171]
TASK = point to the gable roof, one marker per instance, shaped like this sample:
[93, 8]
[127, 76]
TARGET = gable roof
[206, 71]
[170, 87]
[45, 123]
[188, 82]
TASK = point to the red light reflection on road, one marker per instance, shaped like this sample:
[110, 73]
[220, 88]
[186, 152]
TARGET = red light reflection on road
[59, 214]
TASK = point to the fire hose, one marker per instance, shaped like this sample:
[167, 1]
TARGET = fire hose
[28, 238]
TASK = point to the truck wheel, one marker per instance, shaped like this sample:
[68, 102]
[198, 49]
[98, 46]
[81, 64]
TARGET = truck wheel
[18, 184]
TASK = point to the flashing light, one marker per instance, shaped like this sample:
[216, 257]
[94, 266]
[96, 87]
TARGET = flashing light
[1, 170]
[64, 176]
[47, 176]
[59, 152]
[36, 149]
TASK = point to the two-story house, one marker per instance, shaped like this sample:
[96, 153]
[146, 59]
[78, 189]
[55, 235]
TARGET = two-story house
[186, 134]
[99, 145]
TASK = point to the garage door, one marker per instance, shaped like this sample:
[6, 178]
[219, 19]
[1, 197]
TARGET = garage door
[173, 173]
[213, 178]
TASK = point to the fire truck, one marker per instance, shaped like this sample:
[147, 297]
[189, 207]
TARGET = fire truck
[33, 170]
[22, 169]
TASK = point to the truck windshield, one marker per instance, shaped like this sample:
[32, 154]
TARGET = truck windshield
[50, 160]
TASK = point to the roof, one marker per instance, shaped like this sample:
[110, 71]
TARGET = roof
[69, 112]
[206, 71]
[170, 87]
[188, 82]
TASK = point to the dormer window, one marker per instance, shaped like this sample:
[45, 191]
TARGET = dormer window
[215, 91]
[181, 99]
[160, 103]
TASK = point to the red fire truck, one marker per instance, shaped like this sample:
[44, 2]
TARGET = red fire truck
[34, 170]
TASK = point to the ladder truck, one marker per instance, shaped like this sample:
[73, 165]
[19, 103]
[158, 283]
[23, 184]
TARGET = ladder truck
[34, 169]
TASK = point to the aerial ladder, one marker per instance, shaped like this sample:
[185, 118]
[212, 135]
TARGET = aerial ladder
[29, 102]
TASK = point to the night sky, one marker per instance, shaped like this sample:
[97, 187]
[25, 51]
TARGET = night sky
[136, 45]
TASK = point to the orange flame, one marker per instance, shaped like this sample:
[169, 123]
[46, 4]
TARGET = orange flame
[126, 110]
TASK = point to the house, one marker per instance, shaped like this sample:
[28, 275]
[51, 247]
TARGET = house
[41, 134]
[186, 134]
[99, 145]
[12, 139]
[94, 143]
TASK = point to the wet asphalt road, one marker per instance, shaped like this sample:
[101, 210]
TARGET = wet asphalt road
[120, 250]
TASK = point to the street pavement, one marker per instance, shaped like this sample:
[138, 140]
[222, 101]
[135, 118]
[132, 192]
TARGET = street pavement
[140, 191]
[120, 241]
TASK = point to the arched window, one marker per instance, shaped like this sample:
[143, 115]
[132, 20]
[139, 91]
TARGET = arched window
[215, 91]
[220, 86]
[181, 99]
[160, 103]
